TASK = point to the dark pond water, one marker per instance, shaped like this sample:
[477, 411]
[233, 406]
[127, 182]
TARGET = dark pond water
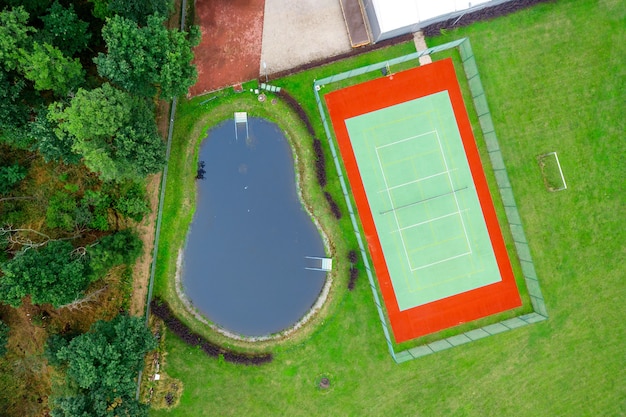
[245, 258]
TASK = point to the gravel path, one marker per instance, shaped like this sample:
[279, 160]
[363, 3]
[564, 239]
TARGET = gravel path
[302, 31]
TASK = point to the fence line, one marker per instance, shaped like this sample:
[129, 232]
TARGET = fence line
[479, 99]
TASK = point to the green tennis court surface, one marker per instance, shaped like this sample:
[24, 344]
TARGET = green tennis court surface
[423, 200]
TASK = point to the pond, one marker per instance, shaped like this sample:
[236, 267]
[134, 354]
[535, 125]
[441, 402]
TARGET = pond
[245, 259]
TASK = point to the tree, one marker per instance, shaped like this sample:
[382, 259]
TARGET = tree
[68, 212]
[61, 211]
[130, 200]
[51, 274]
[139, 10]
[103, 364]
[63, 29]
[14, 112]
[51, 146]
[49, 69]
[114, 132]
[119, 248]
[4, 337]
[14, 37]
[11, 175]
[149, 60]
[33, 7]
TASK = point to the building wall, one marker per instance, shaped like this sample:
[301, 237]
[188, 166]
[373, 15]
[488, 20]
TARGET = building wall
[380, 32]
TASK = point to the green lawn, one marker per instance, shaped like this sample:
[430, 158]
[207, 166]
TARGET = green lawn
[556, 81]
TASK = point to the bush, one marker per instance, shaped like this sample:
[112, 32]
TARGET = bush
[354, 274]
[132, 202]
[320, 162]
[163, 311]
[10, 176]
[352, 256]
[50, 274]
[333, 205]
[53, 345]
[293, 103]
[119, 248]
[61, 212]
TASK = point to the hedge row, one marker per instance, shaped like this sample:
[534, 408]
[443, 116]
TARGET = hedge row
[162, 310]
[333, 205]
[320, 162]
[293, 103]
[354, 274]
[352, 257]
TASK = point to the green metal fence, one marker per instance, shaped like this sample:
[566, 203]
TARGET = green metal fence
[504, 187]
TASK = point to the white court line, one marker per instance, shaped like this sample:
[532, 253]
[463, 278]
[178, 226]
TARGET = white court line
[456, 200]
[431, 220]
[414, 181]
[406, 253]
[404, 140]
[441, 261]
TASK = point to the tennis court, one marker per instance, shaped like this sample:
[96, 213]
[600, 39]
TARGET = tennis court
[423, 200]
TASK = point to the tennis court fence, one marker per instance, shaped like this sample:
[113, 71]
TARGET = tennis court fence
[481, 106]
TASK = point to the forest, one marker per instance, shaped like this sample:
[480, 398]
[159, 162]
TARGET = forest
[82, 85]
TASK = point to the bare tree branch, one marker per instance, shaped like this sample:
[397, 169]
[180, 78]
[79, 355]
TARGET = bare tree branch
[19, 236]
[17, 198]
[85, 301]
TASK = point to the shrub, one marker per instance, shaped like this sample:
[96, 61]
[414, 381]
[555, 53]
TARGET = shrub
[162, 310]
[354, 274]
[10, 176]
[333, 205]
[119, 248]
[320, 162]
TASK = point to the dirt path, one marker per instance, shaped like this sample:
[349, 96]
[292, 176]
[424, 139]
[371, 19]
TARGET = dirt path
[230, 50]
[420, 45]
[146, 230]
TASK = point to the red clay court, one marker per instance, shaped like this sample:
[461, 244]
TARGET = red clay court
[230, 49]
[423, 200]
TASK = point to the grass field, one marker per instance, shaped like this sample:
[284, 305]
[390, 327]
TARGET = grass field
[556, 81]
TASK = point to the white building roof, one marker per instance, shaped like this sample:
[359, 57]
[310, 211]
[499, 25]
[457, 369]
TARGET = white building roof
[395, 14]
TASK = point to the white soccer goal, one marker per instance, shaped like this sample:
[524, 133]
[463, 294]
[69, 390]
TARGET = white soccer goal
[241, 118]
[552, 172]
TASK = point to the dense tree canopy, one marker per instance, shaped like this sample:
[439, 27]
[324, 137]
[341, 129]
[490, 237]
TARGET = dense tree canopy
[139, 10]
[51, 274]
[74, 152]
[104, 363]
[63, 29]
[51, 147]
[149, 60]
[14, 37]
[113, 131]
[10, 175]
[119, 248]
[58, 274]
[49, 69]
